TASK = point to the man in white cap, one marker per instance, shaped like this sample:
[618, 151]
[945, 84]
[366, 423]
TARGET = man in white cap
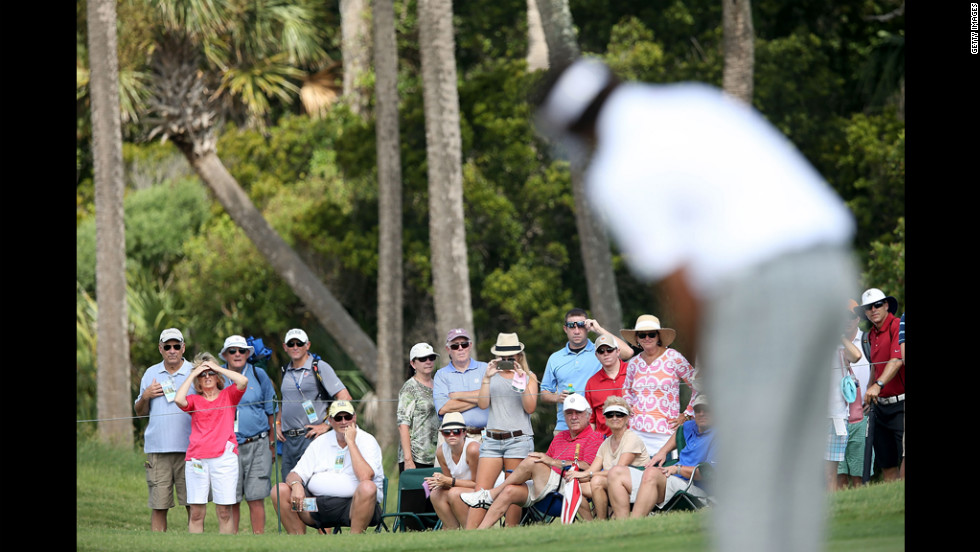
[705, 196]
[886, 390]
[456, 386]
[342, 471]
[541, 473]
[569, 368]
[254, 421]
[308, 385]
[168, 432]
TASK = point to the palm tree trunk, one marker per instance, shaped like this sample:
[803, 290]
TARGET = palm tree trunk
[356, 51]
[739, 46]
[287, 263]
[447, 234]
[390, 351]
[113, 384]
[556, 20]
[537, 47]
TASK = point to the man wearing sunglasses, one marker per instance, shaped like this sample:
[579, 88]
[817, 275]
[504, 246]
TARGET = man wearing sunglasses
[609, 380]
[570, 367]
[456, 386]
[342, 471]
[886, 391]
[306, 395]
[169, 429]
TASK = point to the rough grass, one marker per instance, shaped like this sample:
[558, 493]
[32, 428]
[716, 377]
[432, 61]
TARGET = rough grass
[112, 515]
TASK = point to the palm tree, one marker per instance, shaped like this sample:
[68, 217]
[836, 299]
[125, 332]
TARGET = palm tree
[356, 49]
[447, 235]
[739, 45]
[112, 349]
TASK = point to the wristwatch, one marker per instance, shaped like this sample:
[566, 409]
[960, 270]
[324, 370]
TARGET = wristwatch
[879, 383]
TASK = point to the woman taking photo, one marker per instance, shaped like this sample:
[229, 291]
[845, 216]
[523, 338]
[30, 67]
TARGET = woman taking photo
[510, 391]
[652, 385]
[458, 457]
[622, 448]
[211, 463]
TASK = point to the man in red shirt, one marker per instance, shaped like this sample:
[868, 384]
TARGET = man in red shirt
[886, 392]
[607, 381]
[540, 474]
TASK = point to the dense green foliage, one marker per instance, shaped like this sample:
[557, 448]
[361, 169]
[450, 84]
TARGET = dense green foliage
[826, 75]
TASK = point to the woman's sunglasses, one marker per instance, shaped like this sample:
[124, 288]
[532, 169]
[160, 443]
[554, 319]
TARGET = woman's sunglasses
[616, 415]
[448, 432]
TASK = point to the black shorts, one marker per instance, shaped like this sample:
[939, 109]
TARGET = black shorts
[334, 511]
[889, 428]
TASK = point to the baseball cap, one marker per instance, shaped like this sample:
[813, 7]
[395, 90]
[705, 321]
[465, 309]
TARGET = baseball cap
[575, 402]
[421, 350]
[340, 406]
[701, 399]
[458, 332]
[296, 333]
[171, 333]
[607, 340]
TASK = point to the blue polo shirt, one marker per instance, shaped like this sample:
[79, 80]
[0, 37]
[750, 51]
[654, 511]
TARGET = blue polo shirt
[169, 428]
[565, 367]
[697, 448]
[256, 405]
[450, 380]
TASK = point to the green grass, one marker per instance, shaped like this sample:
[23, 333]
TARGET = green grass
[112, 515]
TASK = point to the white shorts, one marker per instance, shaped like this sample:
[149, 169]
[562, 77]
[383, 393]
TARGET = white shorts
[635, 477]
[219, 475]
[675, 484]
[551, 486]
[654, 441]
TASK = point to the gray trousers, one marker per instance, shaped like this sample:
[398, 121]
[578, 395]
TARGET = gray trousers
[769, 341]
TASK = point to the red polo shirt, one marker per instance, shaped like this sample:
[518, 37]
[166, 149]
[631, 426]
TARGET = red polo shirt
[563, 446]
[597, 389]
[884, 347]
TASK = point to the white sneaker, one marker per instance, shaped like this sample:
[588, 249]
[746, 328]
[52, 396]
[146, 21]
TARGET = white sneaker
[478, 499]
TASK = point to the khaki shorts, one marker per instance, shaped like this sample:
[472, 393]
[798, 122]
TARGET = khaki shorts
[533, 495]
[164, 473]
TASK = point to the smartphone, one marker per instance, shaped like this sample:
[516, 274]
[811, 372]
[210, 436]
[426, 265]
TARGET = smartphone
[505, 365]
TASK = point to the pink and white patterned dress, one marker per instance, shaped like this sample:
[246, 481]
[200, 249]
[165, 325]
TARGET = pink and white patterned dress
[653, 391]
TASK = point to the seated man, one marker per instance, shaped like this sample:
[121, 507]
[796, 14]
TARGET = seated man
[540, 474]
[342, 470]
[657, 485]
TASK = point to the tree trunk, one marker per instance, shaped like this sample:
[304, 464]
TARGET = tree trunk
[114, 400]
[556, 20]
[356, 51]
[390, 349]
[287, 263]
[447, 234]
[739, 46]
[537, 47]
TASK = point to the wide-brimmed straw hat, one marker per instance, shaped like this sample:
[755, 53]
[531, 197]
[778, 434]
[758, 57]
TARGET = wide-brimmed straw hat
[507, 345]
[649, 323]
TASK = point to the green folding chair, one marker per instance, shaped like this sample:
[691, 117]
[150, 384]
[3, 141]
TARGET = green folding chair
[410, 491]
[335, 529]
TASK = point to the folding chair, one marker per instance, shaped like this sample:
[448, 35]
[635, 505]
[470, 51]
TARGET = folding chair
[684, 499]
[547, 509]
[335, 528]
[410, 491]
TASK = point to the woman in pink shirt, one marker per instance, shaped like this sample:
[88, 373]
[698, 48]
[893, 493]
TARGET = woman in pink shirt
[212, 453]
[652, 385]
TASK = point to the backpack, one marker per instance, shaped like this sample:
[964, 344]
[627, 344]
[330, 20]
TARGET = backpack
[322, 395]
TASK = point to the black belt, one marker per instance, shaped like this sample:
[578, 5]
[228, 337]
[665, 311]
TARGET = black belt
[500, 435]
[295, 432]
[256, 437]
[474, 430]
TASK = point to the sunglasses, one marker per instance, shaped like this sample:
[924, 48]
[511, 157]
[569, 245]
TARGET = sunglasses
[448, 432]
[604, 350]
[462, 345]
[615, 415]
[701, 410]
[572, 325]
[176, 347]
[877, 305]
[234, 351]
[211, 373]
[644, 335]
[295, 343]
[343, 417]
[430, 358]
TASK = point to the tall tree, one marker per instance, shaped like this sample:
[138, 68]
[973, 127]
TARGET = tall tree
[112, 340]
[556, 19]
[537, 47]
[739, 45]
[447, 234]
[356, 50]
[390, 352]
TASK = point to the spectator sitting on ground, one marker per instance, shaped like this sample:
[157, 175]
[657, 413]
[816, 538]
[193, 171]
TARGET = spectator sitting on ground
[622, 448]
[659, 484]
[540, 474]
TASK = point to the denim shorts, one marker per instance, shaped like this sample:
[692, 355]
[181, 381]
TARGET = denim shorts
[514, 447]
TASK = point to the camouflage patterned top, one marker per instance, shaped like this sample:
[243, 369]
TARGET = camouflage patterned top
[418, 412]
